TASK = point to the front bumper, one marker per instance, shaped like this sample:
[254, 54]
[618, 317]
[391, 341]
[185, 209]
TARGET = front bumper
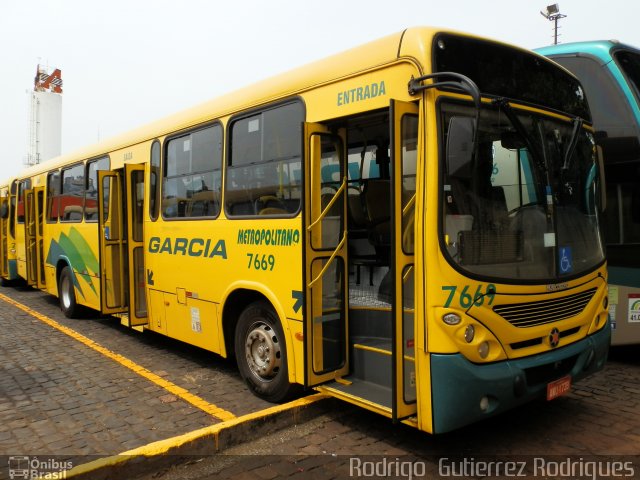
[460, 386]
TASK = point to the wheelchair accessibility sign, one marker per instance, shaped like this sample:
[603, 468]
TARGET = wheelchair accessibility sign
[565, 260]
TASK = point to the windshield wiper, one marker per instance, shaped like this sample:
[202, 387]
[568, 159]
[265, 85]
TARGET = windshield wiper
[515, 121]
[577, 126]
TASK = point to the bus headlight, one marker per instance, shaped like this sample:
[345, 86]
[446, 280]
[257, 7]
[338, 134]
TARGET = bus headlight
[451, 319]
[469, 333]
[483, 350]
[463, 334]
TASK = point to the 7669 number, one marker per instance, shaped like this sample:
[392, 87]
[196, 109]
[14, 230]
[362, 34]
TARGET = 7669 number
[466, 299]
[264, 262]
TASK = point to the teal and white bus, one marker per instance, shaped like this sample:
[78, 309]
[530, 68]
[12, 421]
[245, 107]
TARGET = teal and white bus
[610, 75]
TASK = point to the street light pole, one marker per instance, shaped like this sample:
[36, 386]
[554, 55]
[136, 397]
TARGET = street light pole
[552, 13]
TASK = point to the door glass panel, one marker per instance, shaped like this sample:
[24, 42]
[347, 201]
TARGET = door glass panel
[328, 315]
[136, 250]
[140, 297]
[106, 196]
[408, 350]
[328, 199]
[4, 246]
[31, 224]
[39, 236]
[409, 157]
[31, 238]
[137, 193]
[114, 249]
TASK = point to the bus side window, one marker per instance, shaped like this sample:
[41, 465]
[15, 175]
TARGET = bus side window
[72, 198]
[154, 188]
[263, 175]
[22, 186]
[91, 189]
[53, 196]
[193, 163]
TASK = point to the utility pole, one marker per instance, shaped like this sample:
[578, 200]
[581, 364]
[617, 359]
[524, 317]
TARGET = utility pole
[552, 13]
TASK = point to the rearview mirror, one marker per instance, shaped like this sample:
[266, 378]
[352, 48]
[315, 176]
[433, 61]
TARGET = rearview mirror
[460, 146]
[603, 187]
[512, 141]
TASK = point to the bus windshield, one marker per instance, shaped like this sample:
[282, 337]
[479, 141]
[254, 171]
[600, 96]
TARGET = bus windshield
[524, 206]
[629, 62]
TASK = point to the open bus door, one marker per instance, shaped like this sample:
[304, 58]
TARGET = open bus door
[404, 140]
[39, 204]
[326, 273]
[120, 206]
[134, 175]
[113, 253]
[4, 237]
[30, 237]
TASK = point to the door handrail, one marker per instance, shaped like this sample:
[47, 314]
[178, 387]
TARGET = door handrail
[331, 258]
[329, 205]
[409, 205]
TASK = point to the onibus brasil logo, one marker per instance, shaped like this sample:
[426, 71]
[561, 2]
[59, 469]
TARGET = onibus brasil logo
[25, 467]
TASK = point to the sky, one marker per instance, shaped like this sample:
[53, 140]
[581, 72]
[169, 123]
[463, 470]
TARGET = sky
[128, 62]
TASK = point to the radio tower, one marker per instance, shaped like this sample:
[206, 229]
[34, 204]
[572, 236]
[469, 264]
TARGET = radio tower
[45, 117]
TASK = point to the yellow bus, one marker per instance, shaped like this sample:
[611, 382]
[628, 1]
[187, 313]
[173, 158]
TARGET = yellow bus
[8, 266]
[411, 226]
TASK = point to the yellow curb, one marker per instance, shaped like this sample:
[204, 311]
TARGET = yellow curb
[180, 392]
[165, 446]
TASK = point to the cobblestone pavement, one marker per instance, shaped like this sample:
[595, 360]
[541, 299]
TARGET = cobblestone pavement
[599, 421]
[58, 396]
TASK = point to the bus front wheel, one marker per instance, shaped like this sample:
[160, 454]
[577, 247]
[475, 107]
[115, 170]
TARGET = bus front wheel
[261, 352]
[67, 294]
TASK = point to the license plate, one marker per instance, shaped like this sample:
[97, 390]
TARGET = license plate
[558, 387]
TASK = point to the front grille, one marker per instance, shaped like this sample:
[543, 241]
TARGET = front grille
[531, 314]
[537, 341]
[526, 343]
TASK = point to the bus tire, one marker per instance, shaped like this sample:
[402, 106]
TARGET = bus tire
[261, 352]
[67, 294]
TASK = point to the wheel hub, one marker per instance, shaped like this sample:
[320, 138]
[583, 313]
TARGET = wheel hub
[262, 350]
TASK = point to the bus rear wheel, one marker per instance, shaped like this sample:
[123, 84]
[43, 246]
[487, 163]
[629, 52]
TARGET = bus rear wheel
[261, 352]
[67, 294]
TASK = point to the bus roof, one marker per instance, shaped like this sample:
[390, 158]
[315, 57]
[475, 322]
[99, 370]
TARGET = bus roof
[413, 44]
[376, 53]
[600, 49]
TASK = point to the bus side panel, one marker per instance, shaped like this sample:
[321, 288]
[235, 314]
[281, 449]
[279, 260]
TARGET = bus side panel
[191, 267]
[191, 320]
[74, 244]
